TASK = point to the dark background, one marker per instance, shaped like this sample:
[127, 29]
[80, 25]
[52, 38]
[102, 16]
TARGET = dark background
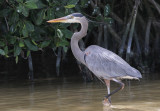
[128, 28]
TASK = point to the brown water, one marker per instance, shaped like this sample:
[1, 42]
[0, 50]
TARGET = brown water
[75, 95]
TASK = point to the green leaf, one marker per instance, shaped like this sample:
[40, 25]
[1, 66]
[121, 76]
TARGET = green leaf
[11, 39]
[74, 2]
[67, 33]
[45, 43]
[64, 25]
[40, 16]
[28, 53]
[20, 23]
[50, 13]
[59, 33]
[71, 3]
[2, 44]
[31, 4]
[60, 13]
[17, 50]
[25, 31]
[70, 6]
[21, 43]
[29, 26]
[4, 12]
[107, 10]
[29, 44]
[6, 50]
[14, 17]
[23, 10]
[2, 52]
[13, 28]
[16, 59]
[84, 3]
[20, 8]
[34, 42]
[40, 4]
[62, 43]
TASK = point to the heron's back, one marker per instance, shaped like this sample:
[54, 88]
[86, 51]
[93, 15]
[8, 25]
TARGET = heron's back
[106, 64]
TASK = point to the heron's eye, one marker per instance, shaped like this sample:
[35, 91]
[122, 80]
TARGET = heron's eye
[71, 17]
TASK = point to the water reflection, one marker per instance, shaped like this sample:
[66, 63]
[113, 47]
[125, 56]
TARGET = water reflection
[74, 95]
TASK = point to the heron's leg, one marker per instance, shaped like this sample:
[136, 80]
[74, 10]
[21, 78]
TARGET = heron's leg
[116, 90]
[108, 89]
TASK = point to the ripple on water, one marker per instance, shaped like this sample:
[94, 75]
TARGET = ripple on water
[79, 96]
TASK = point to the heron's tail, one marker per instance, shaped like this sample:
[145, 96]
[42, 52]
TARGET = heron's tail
[135, 73]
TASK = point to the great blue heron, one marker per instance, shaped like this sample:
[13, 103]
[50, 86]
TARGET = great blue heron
[103, 63]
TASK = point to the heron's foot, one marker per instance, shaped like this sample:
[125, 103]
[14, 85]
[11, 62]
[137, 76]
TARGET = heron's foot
[106, 101]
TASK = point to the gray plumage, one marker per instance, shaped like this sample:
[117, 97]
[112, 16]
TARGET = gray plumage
[107, 65]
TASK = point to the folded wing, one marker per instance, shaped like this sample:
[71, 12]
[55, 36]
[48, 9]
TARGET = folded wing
[106, 64]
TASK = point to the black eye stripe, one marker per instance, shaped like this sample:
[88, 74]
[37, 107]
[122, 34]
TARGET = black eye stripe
[77, 15]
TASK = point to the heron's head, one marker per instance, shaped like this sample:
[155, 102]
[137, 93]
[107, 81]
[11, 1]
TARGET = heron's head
[72, 18]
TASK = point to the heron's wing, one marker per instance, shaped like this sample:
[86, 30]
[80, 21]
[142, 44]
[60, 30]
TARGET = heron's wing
[106, 64]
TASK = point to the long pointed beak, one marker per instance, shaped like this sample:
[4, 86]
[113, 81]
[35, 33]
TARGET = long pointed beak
[62, 19]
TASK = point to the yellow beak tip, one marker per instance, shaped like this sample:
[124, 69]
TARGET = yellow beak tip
[57, 20]
[49, 21]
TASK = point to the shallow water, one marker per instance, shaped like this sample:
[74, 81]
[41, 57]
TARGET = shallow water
[75, 95]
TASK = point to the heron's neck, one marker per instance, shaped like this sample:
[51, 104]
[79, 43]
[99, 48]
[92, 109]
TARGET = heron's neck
[77, 52]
